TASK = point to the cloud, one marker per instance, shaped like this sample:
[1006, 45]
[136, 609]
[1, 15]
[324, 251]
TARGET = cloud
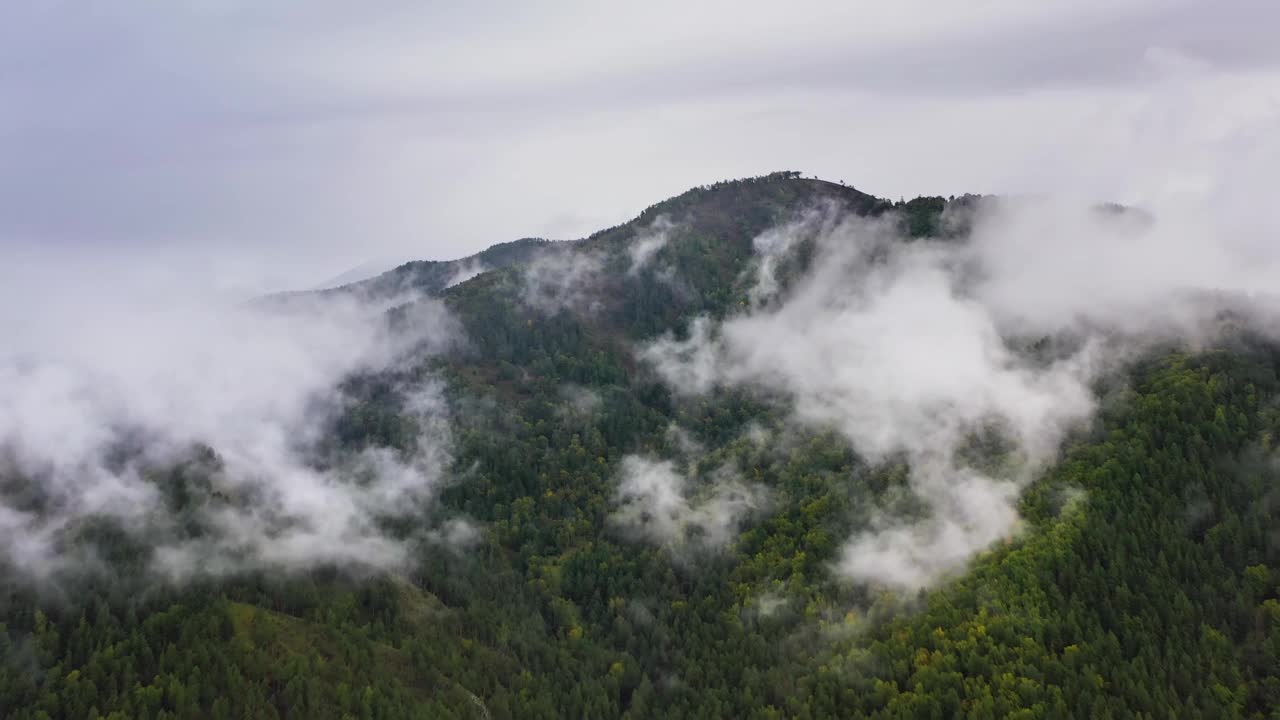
[691, 365]
[773, 246]
[766, 605]
[647, 244]
[656, 503]
[580, 401]
[563, 278]
[457, 534]
[465, 272]
[910, 348]
[204, 431]
[1047, 265]
[137, 139]
[569, 276]
[968, 513]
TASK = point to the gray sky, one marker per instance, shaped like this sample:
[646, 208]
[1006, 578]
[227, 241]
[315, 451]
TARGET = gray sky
[243, 146]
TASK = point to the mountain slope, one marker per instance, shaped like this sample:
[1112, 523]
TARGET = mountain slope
[723, 214]
[1142, 578]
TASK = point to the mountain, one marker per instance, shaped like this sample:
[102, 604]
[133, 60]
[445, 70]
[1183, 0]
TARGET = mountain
[774, 448]
[727, 211]
[433, 277]
[360, 272]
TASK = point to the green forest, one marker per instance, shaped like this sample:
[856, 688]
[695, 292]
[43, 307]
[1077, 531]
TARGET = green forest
[1143, 580]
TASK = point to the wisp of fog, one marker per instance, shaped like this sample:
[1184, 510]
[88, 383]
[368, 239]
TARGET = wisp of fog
[105, 388]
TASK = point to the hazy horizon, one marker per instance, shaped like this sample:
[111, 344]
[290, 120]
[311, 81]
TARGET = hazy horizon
[243, 148]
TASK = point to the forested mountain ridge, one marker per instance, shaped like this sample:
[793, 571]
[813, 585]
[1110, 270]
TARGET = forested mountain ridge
[641, 519]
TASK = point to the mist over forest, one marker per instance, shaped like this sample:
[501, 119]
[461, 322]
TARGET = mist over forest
[976, 416]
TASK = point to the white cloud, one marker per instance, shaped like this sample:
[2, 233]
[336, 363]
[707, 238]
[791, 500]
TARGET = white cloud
[563, 278]
[102, 390]
[579, 400]
[690, 365]
[465, 272]
[774, 245]
[647, 244]
[657, 503]
[905, 347]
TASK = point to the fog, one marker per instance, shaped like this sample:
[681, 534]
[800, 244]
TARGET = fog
[112, 381]
[661, 504]
[224, 152]
[465, 272]
[560, 278]
[647, 244]
[917, 348]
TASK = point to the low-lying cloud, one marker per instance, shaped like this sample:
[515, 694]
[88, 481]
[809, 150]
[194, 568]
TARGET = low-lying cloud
[104, 401]
[774, 245]
[911, 349]
[648, 243]
[465, 272]
[573, 276]
[562, 278]
[659, 503]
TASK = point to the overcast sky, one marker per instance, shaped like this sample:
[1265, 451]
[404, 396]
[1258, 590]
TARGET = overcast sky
[243, 146]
